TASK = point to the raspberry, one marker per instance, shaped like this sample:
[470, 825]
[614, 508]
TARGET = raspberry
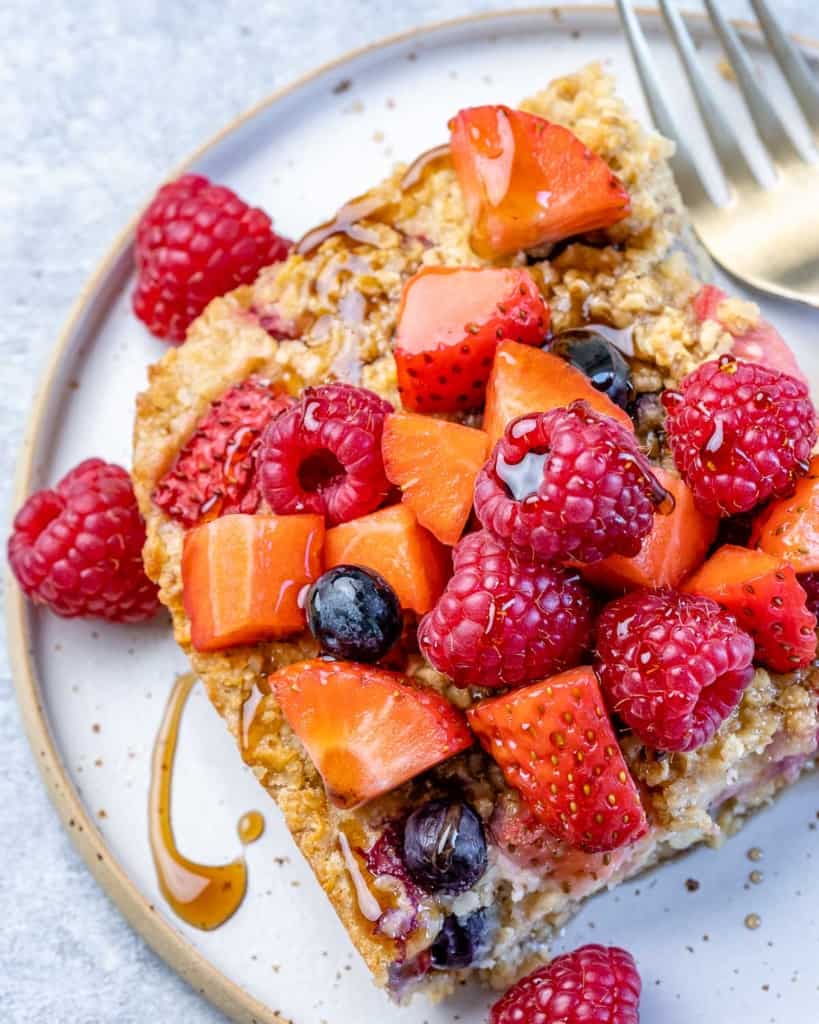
[214, 473]
[195, 241]
[503, 620]
[324, 455]
[810, 584]
[740, 433]
[592, 985]
[78, 548]
[672, 666]
[569, 483]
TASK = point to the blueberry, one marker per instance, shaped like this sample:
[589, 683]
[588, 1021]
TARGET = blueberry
[461, 941]
[600, 360]
[353, 613]
[444, 846]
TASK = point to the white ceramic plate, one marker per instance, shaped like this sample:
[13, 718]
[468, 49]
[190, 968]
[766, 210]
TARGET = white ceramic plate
[93, 695]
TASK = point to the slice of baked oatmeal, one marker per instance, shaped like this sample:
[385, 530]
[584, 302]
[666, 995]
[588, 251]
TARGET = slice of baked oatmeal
[330, 313]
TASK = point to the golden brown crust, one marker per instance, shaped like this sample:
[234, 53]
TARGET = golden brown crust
[225, 346]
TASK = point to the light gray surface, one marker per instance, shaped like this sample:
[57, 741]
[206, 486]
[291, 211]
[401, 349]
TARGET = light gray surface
[99, 99]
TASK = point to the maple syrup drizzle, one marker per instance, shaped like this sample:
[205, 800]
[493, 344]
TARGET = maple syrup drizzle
[203, 895]
[371, 204]
[432, 160]
[250, 827]
[248, 713]
[367, 903]
[346, 223]
[621, 337]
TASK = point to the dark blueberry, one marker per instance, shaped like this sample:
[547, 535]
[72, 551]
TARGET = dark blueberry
[461, 941]
[599, 359]
[444, 846]
[353, 613]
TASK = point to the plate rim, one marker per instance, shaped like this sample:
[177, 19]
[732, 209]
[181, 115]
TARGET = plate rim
[160, 934]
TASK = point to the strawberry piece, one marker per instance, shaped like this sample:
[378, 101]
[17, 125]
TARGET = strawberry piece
[366, 730]
[525, 380]
[435, 463]
[766, 599]
[214, 473]
[555, 744]
[527, 181]
[450, 322]
[676, 546]
[761, 343]
[392, 543]
[529, 844]
[789, 528]
[242, 576]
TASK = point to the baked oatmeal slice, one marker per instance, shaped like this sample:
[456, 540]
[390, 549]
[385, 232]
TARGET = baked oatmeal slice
[329, 313]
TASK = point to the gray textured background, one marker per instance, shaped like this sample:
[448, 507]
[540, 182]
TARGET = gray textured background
[86, 129]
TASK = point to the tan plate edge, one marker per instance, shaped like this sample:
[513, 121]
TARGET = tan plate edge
[163, 938]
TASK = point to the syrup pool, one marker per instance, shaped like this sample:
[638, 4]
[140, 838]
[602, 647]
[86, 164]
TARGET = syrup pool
[202, 895]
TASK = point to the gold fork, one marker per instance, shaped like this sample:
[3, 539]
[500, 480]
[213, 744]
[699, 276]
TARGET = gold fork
[767, 235]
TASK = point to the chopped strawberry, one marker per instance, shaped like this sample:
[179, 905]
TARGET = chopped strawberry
[450, 322]
[525, 380]
[789, 528]
[766, 599]
[435, 463]
[242, 576]
[214, 473]
[529, 844]
[761, 343]
[392, 543]
[676, 546]
[527, 181]
[366, 730]
[520, 836]
[555, 744]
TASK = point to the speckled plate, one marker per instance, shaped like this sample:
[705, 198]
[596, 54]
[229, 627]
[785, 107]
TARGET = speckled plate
[92, 696]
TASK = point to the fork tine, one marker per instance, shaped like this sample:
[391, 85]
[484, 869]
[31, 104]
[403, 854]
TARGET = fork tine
[734, 164]
[685, 172]
[768, 125]
[792, 62]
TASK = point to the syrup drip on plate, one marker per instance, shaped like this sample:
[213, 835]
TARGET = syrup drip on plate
[202, 895]
[250, 827]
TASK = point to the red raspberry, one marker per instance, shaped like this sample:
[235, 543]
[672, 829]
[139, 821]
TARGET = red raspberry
[570, 483]
[324, 455]
[740, 433]
[672, 666]
[503, 620]
[810, 584]
[195, 241]
[78, 548]
[592, 985]
[214, 473]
